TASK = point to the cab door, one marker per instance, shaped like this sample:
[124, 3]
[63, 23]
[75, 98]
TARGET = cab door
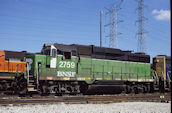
[53, 59]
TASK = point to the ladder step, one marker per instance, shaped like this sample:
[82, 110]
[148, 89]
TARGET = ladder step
[31, 81]
[31, 89]
[31, 78]
[31, 85]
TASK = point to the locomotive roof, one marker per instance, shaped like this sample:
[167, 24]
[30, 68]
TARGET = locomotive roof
[14, 54]
[101, 52]
[93, 49]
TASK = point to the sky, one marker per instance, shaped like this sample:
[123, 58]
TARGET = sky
[28, 24]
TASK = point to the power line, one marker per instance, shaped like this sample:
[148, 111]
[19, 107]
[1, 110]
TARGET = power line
[42, 35]
[162, 32]
[31, 19]
[39, 29]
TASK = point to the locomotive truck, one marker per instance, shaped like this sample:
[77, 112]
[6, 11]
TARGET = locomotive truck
[72, 69]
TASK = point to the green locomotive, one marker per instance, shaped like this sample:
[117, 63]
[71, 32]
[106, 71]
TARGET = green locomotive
[76, 69]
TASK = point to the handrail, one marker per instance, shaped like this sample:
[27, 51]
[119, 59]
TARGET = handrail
[37, 75]
[169, 79]
[16, 70]
[27, 73]
[168, 75]
[156, 77]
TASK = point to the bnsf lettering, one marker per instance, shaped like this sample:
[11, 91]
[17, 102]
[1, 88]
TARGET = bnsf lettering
[64, 64]
[65, 74]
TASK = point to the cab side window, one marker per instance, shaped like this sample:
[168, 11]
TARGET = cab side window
[46, 52]
[53, 53]
[67, 55]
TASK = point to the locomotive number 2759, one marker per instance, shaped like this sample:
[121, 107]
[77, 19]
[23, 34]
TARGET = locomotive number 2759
[65, 64]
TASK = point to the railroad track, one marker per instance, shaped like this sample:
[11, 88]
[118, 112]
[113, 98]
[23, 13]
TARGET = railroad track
[83, 99]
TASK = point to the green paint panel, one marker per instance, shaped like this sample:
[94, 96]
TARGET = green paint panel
[90, 68]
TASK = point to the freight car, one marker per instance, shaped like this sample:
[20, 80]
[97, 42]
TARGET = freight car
[75, 69]
[12, 68]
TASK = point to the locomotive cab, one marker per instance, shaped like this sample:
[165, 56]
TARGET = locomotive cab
[51, 67]
[52, 52]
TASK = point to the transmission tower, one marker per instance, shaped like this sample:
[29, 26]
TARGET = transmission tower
[141, 47]
[113, 22]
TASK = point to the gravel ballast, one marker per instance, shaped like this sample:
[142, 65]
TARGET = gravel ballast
[124, 107]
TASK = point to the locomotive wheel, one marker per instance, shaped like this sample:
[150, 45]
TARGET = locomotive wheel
[44, 90]
[134, 90]
[19, 85]
[4, 85]
[83, 88]
[148, 89]
[128, 89]
[144, 89]
[22, 88]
